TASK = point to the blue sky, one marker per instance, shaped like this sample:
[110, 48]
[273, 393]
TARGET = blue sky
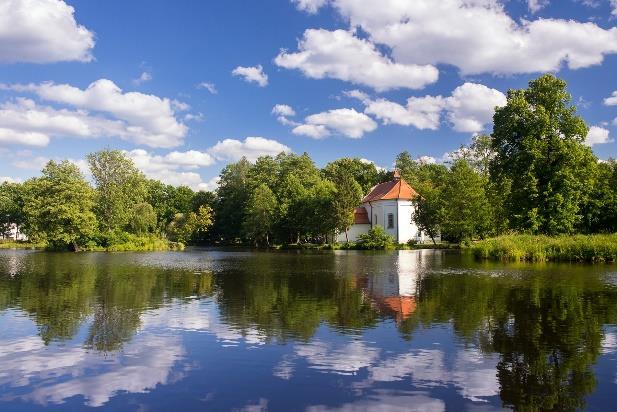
[365, 78]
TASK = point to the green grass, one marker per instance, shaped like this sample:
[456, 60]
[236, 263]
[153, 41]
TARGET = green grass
[11, 244]
[565, 248]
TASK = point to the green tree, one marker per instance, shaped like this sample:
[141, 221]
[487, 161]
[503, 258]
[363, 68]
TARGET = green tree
[119, 186]
[186, 226]
[231, 199]
[348, 196]
[144, 219]
[11, 206]
[542, 166]
[467, 212]
[365, 173]
[260, 215]
[600, 208]
[59, 206]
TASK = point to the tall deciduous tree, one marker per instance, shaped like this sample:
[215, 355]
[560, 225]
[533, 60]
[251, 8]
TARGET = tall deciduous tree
[59, 206]
[541, 162]
[365, 173]
[11, 206]
[467, 212]
[260, 215]
[144, 219]
[347, 197]
[119, 186]
[232, 196]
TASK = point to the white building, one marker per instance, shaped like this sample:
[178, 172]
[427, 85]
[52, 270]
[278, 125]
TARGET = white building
[390, 206]
[13, 233]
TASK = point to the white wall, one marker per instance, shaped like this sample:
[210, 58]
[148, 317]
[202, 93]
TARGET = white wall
[353, 233]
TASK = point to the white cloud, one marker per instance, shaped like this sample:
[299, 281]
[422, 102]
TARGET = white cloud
[311, 130]
[536, 5]
[283, 110]
[196, 117]
[9, 179]
[469, 109]
[144, 77]
[10, 136]
[251, 148]
[611, 101]
[253, 74]
[426, 160]
[598, 135]
[341, 55]
[208, 86]
[472, 105]
[614, 6]
[421, 112]
[142, 118]
[309, 6]
[357, 94]
[42, 31]
[477, 36]
[347, 122]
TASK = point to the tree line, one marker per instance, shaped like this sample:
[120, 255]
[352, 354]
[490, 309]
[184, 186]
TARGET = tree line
[534, 174]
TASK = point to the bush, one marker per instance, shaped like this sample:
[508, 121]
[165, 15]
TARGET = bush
[572, 248]
[376, 238]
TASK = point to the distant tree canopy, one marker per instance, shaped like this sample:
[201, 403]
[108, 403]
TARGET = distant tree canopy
[532, 174]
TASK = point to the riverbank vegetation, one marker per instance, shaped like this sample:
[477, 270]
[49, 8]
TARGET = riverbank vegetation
[534, 175]
[540, 248]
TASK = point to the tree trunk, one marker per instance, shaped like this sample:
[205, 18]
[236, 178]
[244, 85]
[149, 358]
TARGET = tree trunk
[346, 237]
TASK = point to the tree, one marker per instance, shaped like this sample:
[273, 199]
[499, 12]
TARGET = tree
[59, 206]
[260, 215]
[231, 199]
[185, 226]
[467, 212]
[542, 166]
[347, 197]
[11, 206]
[119, 186]
[144, 219]
[600, 209]
[363, 172]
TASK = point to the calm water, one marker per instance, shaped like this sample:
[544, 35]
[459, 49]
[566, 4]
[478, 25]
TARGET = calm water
[216, 330]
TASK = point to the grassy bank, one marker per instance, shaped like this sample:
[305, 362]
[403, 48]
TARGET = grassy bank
[11, 244]
[565, 248]
[127, 244]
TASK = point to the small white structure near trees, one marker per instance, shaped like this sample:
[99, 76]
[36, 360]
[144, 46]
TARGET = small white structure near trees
[389, 205]
[13, 233]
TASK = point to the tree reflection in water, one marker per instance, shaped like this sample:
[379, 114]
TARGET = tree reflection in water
[546, 324]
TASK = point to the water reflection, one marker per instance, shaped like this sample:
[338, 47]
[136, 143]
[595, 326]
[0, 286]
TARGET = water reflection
[412, 329]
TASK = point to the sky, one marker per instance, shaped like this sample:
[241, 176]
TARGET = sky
[185, 87]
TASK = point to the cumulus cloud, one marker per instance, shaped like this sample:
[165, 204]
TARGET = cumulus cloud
[283, 110]
[251, 148]
[142, 118]
[254, 74]
[611, 101]
[469, 108]
[476, 36]
[311, 130]
[9, 179]
[341, 55]
[347, 122]
[421, 112]
[42, 31]
[598, 135]
[143, 78]
[211, 87]
[309, 6]
[536, 5]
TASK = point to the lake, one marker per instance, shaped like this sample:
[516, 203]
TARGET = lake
[288, 331]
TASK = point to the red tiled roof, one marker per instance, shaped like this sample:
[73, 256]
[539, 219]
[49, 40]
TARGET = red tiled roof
[394, 189]
[360, 216]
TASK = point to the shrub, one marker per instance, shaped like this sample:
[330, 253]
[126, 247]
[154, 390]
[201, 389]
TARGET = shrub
[376, 238]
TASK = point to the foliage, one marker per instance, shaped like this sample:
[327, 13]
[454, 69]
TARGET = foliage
[185, 226]
[366, 174]
[144, 219]
[260, 214]
[467, 214]
[119, 187]
[580, 248]
[541, 163]
[376, 238]
[348, 196]
[599, 211]
[59, 207]
[11, 206]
